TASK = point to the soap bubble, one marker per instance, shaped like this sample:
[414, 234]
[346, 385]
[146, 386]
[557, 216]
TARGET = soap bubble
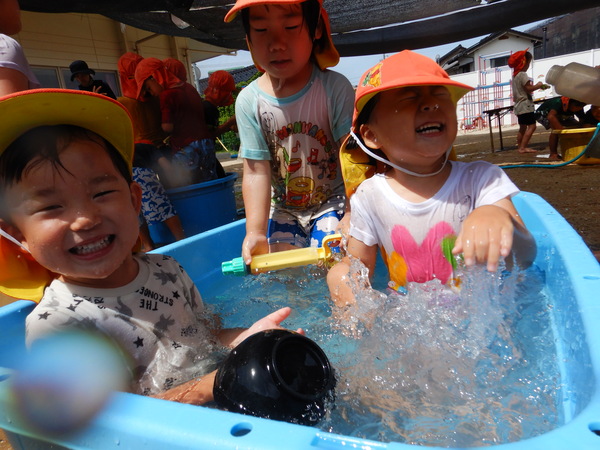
[66, 379]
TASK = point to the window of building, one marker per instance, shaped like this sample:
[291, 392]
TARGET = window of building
[53, 77]
[498, 62]
[47, 76]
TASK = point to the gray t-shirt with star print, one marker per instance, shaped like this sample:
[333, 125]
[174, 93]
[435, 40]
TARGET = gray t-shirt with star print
[157, 320]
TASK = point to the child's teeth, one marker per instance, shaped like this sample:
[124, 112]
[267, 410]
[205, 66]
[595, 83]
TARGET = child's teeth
[90, 248]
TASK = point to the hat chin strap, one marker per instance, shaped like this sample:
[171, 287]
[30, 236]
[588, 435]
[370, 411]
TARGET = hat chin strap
[401, 169]
[12, 239]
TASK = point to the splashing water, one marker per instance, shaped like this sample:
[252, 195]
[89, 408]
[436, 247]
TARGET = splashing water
[432, 367]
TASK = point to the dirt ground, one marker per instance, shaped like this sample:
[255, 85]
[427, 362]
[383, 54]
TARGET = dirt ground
[573, 190]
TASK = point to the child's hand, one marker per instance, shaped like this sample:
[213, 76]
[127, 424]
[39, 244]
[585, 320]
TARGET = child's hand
[254, 244]
[486, 235]
[343, 228]
[270, 322]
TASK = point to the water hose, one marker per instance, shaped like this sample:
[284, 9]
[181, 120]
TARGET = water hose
[553, 166]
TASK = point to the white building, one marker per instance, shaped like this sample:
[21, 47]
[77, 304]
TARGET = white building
[484, 66]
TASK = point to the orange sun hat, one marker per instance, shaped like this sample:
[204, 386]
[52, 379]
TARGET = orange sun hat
[21, 277]
[517, 61]
[176, 67]
[157, 69]
[326, 54]
[221, 85]
[404, 69]
[126, 65]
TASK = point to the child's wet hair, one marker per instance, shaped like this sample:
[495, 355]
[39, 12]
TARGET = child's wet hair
[311, 12]
[45, 143]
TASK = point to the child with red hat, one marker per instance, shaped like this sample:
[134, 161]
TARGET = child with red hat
[522, 88]
[420, 201]
[291, 122]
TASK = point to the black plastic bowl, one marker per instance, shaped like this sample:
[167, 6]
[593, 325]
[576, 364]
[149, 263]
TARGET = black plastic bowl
[277, 374]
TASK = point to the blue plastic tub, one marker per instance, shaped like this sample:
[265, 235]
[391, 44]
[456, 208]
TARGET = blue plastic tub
[201, 207]
[131, 421]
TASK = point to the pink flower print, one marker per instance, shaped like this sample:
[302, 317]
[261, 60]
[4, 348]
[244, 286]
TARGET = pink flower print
[426, 261]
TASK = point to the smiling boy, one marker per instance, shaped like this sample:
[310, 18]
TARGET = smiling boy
[70, 208]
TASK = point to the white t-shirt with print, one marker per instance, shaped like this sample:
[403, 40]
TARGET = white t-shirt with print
[411, 235]
[299, 135]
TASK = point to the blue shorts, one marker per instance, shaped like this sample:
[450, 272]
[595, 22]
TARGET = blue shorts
[291, 232]
[156, 205]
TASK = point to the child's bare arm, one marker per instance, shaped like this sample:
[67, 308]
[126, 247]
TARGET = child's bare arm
[493, 231]
[553, 120]
[256, 190]
[195, 392]
[339, 276]
[12, 80]
[530, 87]
[200, 390]
[231, 337]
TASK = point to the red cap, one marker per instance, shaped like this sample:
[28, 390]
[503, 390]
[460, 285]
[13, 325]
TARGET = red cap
[517, 61]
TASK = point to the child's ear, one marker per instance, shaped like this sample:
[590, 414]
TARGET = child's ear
[369, 136]
[14, 232]
[319, 30]
[136, 196]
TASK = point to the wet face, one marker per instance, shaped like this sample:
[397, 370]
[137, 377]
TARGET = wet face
[80, 221]
[413, 126]
[280, 39]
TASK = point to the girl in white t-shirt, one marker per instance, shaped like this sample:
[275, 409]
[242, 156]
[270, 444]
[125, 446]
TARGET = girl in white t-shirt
[415, 202]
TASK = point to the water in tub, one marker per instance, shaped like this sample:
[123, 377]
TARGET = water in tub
[432, 367]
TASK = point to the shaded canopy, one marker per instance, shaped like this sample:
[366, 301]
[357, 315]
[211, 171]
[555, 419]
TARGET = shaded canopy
[360, 27]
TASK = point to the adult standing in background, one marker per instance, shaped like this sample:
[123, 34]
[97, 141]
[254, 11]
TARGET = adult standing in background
[83, 74]
[15, 73]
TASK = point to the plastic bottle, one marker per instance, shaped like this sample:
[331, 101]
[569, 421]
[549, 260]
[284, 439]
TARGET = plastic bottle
[576, 81]
[283, 260]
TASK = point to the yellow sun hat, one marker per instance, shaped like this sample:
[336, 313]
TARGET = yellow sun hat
[325, 54]
[26, 110]
[21, 277]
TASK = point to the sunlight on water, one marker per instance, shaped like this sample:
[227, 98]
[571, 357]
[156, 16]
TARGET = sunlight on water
[432, 367]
